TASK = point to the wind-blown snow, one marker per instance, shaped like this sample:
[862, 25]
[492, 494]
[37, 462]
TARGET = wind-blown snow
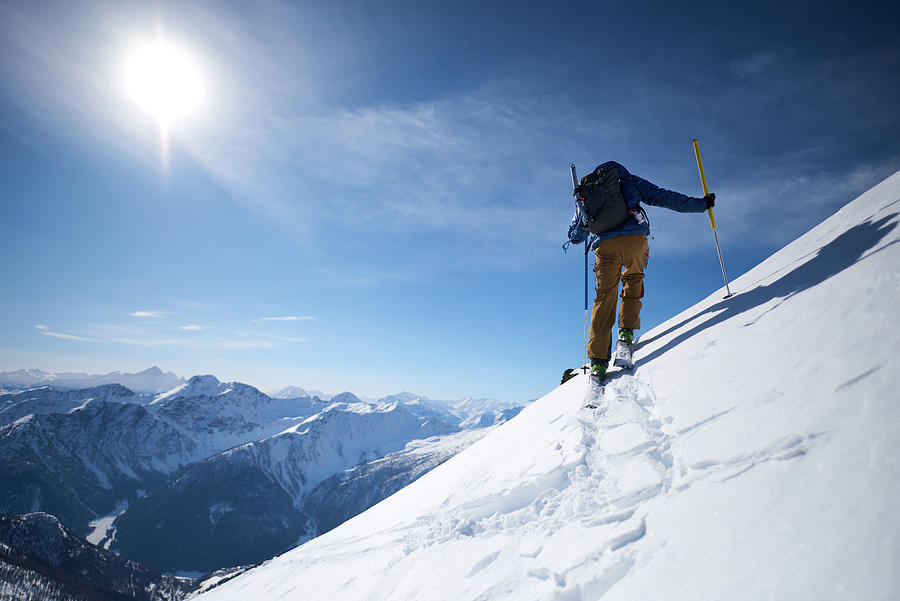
[753, 454]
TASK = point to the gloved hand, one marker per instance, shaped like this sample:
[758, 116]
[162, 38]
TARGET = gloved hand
[710, 200]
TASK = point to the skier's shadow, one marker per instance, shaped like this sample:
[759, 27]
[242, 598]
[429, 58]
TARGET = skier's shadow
[831, 259]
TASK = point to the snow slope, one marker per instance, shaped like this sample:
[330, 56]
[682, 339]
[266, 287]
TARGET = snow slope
[753, 454]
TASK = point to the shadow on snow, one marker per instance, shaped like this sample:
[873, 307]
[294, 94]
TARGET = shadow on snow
[836, 256]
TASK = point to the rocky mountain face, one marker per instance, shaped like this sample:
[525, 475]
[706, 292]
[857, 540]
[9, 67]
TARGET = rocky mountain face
[79, 465]
[350, 492]
[251, 502]
[212, 474]
[42, 559]
[44, 400]
[219, 415]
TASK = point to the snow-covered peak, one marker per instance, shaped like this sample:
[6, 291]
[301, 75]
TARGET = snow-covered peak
[403, 397]
[205, 385]
[151, 372]
[27, 377]
[289, 392]
[346, 397]
[200, 386]
[750, 455]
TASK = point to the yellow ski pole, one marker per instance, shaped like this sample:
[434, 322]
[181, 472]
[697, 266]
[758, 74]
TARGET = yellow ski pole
[712, 219]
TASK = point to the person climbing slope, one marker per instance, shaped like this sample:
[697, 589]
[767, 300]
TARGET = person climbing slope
[609, 217]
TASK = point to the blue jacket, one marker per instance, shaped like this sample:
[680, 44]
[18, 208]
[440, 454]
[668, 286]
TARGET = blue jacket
[635, 190]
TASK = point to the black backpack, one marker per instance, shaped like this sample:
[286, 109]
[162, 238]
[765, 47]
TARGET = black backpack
[601, 199]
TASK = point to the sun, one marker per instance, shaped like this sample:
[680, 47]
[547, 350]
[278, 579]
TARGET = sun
[165, 81]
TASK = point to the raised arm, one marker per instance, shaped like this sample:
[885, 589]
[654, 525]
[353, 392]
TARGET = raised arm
[660, 197]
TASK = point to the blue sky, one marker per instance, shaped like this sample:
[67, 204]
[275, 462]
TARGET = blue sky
[373, 195]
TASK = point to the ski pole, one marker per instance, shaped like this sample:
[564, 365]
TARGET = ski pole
[587, 248]
[712, 219]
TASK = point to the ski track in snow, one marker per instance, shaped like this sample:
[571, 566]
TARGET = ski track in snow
[628, 464]
[625, 461]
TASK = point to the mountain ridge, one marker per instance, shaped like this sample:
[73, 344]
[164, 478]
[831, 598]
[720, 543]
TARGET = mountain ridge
[151, 380]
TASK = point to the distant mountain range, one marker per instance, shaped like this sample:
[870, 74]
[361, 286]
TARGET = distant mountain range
[149, 380]
[211, 474]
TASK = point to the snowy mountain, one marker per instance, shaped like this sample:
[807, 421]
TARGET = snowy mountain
[247, 504]
[752, 454]
[81, 464]
[468, 412]
[208, 463]
[220, 415]
[42, 559]
[44, 400]
[294, 392]
[347, 493]
[151, 380]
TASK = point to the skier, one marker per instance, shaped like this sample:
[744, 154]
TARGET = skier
[622, 253]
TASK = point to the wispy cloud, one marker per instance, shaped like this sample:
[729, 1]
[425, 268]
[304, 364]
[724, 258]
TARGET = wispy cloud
[766, 207]
[247, 344]
[746, 66]
[256, 340]
[64, 336]
[110, 334]
[172, 337]
[152, 314]
[285, 318]
[441, 166]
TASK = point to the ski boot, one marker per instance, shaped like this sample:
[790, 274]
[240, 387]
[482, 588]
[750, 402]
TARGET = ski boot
[594, 394]
[623, 349]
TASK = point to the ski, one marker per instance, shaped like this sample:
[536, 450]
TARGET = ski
[595, 394]
[623, 355]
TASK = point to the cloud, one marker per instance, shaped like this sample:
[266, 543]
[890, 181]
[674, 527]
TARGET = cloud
[473, 182]
[110, 334]
[235, 345]
[152, 314]
[47, 331]
[195, 328]
[64, 336]
[443, 165]
[786, 204]
[259, 341]
[284, 318]
[751, 65]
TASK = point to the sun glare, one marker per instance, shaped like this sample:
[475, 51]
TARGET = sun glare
[164, 81]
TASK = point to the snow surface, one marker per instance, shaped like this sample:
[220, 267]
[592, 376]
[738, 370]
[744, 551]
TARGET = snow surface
[103, 531]
[753, 454]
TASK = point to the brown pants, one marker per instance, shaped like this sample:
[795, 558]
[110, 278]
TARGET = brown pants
[622, 257]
